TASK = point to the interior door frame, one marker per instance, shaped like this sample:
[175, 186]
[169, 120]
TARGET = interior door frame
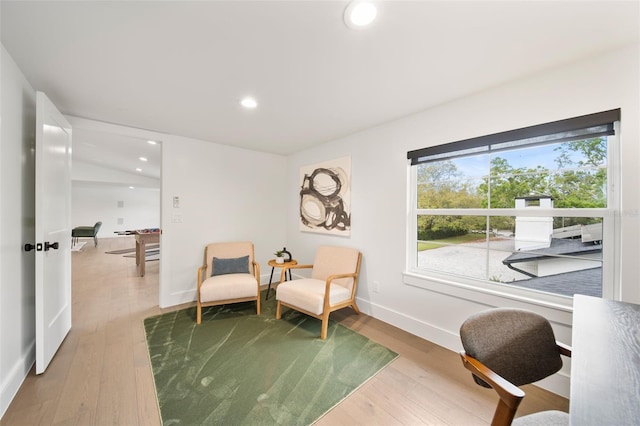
[120, 130]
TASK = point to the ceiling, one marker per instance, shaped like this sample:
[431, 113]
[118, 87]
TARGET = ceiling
[118, 152]
[181, 67]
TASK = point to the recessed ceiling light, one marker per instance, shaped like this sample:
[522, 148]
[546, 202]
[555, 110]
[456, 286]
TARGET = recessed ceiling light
[132, 187]
[143, 159]
[249, 102]
[152, 142]
[138, 169]
[359, 14]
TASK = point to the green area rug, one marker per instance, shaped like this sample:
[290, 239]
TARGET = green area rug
[238, 368]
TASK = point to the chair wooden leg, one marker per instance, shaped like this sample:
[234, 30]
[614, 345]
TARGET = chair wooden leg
[505, 414]
[355, 308]
[258, 304]
[325, 325]
[278, 310]
[198, 314]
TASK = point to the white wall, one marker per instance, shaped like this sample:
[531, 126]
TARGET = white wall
[225, 194]
[17, 226]
[379, 191]
[117, 207]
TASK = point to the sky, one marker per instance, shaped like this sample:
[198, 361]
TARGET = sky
[544, 155]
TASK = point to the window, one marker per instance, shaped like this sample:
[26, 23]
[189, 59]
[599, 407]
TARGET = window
[530, 209]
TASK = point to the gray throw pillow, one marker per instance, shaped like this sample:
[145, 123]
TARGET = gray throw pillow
[238, 265]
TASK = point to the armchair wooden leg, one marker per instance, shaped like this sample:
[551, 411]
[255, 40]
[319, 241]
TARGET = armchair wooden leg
[325, 325]
[355, 308]
[198, 314]
[258, 304]
[278, 310]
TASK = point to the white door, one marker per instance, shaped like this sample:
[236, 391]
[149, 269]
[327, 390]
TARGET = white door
[53, 230]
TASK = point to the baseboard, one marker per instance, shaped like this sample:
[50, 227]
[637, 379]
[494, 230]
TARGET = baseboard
[558, 383]
[412, 325]
[12, 381]
[178, 298]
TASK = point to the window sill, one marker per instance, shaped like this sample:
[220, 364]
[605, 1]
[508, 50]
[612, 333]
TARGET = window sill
[553, 307]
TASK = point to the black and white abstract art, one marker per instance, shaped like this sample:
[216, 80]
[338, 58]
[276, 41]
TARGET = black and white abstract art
[325, 197]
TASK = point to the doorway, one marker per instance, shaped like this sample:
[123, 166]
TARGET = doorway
[116, 180]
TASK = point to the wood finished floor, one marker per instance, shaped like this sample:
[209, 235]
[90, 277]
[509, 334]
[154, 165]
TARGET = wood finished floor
[101, 374]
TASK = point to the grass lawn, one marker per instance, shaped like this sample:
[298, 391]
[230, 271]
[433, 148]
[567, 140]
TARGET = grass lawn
[422, 246]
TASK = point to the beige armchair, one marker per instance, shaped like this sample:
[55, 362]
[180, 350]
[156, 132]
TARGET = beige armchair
[332, 286]
[230, 274]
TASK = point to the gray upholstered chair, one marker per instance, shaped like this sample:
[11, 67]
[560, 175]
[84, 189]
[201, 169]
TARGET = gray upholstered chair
[332, 286]
[86, 232]
[229, 274]
[505, 348]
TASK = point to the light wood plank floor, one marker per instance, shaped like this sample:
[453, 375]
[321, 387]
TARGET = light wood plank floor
[101, 374]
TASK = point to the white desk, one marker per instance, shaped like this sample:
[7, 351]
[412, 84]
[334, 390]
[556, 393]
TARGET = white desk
[605, 362]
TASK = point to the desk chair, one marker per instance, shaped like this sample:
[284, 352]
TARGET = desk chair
[506, 348]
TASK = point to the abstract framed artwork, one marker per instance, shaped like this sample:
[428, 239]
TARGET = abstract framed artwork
[325, 197]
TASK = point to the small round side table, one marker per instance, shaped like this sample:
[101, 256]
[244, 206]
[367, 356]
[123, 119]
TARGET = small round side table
[274, 265]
